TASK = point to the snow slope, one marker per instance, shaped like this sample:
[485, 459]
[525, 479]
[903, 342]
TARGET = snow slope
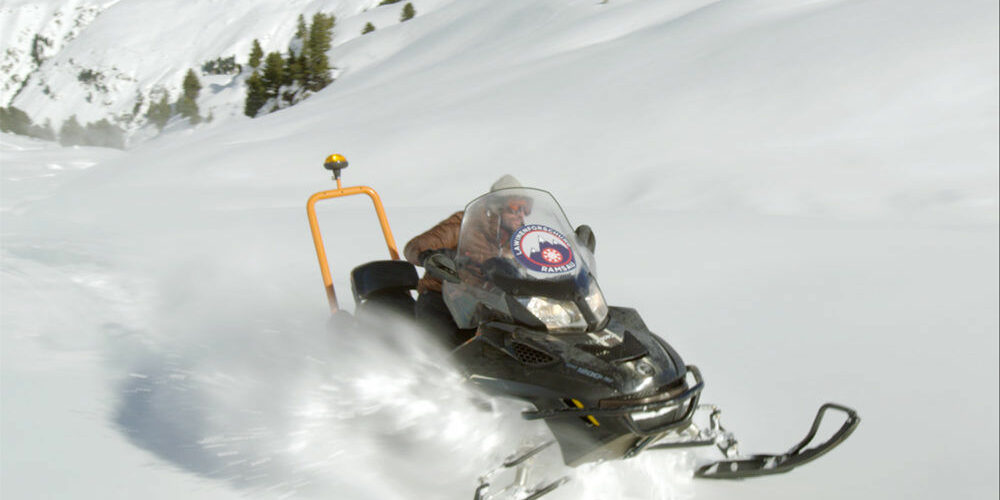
[801, 197]
[153, 44]
[35, 31]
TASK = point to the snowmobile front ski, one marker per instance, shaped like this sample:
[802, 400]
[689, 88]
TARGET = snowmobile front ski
[738, 467]
[518, 489]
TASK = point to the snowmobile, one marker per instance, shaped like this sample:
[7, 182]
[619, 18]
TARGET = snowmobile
[607, 387]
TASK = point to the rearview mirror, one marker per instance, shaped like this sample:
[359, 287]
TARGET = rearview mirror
[586, 236]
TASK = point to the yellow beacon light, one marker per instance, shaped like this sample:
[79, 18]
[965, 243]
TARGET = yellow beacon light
[335, 162]
[335, 158]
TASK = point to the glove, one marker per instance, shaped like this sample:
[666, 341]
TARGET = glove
[447, 252]
[441, 268]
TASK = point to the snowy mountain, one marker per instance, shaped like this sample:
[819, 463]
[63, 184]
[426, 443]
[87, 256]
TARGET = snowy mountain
[801, 196]
[33, 32]
[112, 59]
[723, 87]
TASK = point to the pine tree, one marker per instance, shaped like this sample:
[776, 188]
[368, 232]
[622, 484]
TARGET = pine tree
[71, 133]
[304, 69]
[6, 121]
[408, 12]
[159, 112]
[256, 54]
[256, 95]
[187, 108]
[273, 74]
[301, 31]
[192, 87]
[295, 76]
[38, 46]
[44, 132]
[368, 29]
[187, 105]
[316, 47]
[221, 66]
[102, 133]
[15, 121]
[295, 70]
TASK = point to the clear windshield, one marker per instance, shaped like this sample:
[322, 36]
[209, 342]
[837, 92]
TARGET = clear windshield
[519, 259]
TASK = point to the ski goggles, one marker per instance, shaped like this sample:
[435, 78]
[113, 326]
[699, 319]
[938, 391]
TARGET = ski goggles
[522, 207]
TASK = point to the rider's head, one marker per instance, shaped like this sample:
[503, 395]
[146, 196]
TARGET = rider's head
[507, 181]
[512, 212]
[512, 208]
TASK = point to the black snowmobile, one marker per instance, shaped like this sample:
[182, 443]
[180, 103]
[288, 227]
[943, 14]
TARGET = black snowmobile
[606, 386]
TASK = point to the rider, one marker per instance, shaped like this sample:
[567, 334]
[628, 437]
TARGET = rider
[487, 239]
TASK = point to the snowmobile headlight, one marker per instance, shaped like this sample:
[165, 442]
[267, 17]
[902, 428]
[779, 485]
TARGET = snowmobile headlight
[558, 315]
[595, 301]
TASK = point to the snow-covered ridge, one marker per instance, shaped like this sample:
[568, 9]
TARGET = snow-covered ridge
[112, 59]
[34, 32]
[846, 107]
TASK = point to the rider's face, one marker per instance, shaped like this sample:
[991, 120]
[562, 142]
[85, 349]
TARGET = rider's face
[512, 214]
[511, 220]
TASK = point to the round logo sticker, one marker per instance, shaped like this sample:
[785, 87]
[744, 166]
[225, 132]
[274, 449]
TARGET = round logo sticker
[543, 249]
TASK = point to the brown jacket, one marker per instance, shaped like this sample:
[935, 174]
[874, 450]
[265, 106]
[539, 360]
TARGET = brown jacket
[486, 240]
[443, 235]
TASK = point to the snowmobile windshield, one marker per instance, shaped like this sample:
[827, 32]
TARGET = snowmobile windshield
[519, 260]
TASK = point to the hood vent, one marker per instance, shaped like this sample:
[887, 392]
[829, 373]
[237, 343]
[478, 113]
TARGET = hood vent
[531, 356]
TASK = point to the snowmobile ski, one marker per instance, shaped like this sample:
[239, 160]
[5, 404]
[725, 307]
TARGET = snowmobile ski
[518, 489]
[763, 464]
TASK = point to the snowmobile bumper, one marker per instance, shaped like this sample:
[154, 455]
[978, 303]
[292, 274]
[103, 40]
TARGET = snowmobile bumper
[647, 420]
[762, 465]
[688, 397]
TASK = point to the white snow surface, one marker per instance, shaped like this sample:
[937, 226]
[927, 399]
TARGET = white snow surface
[800, 196]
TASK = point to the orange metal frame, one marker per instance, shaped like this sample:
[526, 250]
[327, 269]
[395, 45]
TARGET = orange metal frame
[331, 295]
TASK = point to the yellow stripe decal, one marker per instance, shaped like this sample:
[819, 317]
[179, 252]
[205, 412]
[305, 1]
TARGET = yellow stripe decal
[590, 418]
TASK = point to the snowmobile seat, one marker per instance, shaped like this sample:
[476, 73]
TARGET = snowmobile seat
[386, 283]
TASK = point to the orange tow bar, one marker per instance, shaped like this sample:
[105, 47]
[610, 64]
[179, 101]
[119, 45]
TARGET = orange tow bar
[336, 163]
